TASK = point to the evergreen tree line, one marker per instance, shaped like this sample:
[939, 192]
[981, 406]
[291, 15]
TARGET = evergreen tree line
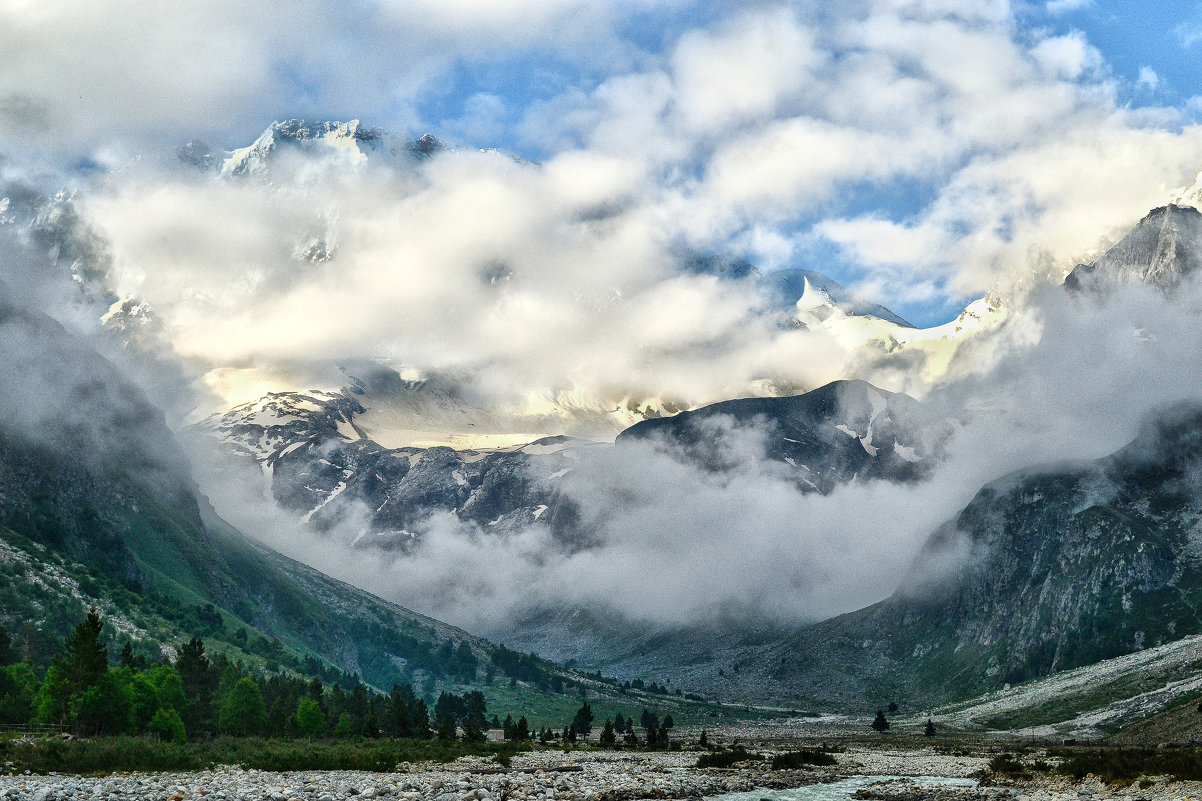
[656, 733]
[197, 696]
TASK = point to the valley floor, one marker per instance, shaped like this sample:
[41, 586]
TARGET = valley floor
[882, 773]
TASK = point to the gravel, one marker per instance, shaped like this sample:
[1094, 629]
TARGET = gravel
[580, 776]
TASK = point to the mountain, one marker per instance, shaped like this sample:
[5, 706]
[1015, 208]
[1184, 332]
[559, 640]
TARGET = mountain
[1044, 570]
[842, 432]
[97, 509]
[1164, 248]
[325, 464]
[813, 297]
[348, 141]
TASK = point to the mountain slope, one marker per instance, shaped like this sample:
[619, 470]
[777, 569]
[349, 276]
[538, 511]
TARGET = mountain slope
[841, 432]
[92, 481]
[1164, 248]
[1044, 570]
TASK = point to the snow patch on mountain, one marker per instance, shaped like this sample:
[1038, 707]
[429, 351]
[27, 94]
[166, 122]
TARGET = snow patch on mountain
[1188, 195]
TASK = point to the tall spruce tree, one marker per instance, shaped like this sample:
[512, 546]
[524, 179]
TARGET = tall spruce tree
[86, 658]
[582, 723]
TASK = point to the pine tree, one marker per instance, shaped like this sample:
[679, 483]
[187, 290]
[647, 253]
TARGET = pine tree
[582, 724]
[477, 711]
[193, 668]
[522, 730]
[704, 741]
[447, 729]
[607, 734]
[86, 658]
[929, 730]
[128, 660]
[421, 720]
[880, 723]
[8, 654]
[316, 691]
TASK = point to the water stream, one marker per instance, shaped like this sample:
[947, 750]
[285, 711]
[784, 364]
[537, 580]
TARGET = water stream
[837, 791]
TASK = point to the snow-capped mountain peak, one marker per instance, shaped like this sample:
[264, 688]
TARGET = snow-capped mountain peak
[350, 140]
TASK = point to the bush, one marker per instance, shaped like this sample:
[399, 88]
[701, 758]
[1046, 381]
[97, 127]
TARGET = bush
[725, 759]
[1008, 765]
[1122, 765]
[110, 754]
[798, 759]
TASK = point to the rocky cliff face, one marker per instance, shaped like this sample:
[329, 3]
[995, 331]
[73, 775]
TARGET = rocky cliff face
[1163, 249]
[842, 432]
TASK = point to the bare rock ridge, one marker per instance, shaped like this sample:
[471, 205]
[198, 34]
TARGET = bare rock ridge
[1164, 248]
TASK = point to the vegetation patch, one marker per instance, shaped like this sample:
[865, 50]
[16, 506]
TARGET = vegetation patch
[801, 759]
[1123, 765]
[727, 758]
[99, 755]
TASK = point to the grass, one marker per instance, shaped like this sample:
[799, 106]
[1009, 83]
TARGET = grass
[104, 755]
[1068, 706]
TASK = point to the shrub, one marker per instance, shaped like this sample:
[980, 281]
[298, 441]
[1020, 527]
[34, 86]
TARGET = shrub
[725, 759]
[1121, 765]
[798, 759]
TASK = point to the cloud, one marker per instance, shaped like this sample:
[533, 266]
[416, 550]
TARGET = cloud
[1060, 7]
[80, 78]
[768, 130]
[1189, 33]
[1148, 79]
[672, 544]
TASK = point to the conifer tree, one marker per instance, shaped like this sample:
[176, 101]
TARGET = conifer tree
[582, 724]
[880, 723]
[607, 734]
[8, 654]
[421, 720]
[929, 730]
[86, 658]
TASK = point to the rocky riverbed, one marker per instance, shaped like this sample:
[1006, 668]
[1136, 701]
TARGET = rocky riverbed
[537, 776]
[586, 776]
[1046, 788]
